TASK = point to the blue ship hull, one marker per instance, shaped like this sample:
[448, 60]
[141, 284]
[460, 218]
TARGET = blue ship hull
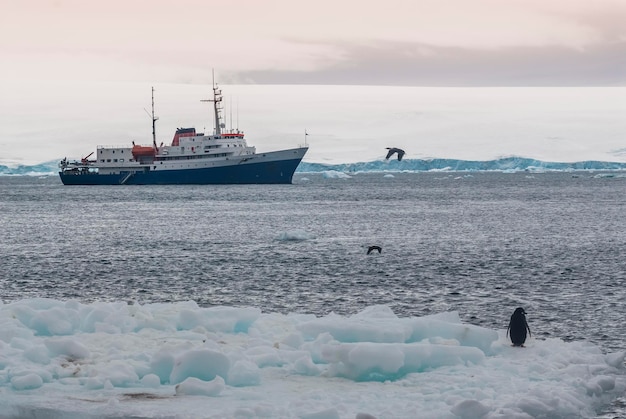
[271, 172]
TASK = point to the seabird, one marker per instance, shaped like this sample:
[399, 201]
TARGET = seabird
[372, 248]
[392, 151]
[518, 327]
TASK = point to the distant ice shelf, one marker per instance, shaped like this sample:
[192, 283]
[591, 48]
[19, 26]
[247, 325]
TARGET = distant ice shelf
[507, 164]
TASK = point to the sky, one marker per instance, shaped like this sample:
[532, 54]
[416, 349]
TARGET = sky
[66, 359]
[43, 122]
[395, 42]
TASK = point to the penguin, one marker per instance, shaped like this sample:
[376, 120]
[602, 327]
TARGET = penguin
[518, 327]
[372, 248]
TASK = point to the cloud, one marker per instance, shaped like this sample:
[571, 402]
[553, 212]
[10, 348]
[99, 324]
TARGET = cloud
[395, 42]
[398, 63]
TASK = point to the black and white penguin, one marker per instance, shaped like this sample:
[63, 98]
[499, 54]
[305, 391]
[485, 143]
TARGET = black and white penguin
[518, 327]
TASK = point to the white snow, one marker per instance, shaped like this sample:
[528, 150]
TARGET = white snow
[66, 359]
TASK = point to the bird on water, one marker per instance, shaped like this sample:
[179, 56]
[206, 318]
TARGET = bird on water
[394, 150]
[373, 248]
[518, 327]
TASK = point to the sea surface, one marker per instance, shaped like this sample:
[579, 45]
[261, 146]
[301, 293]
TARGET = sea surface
[481, 244]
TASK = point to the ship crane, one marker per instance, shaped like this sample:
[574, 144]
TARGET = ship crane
[84, 159]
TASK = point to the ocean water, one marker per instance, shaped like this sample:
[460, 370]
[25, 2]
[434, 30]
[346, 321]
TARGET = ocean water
[480, 244]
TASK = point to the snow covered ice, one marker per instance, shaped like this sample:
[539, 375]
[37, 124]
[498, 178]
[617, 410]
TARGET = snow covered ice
[66, 359]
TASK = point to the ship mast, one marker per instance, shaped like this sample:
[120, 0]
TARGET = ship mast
[154, 119]
[217, 99]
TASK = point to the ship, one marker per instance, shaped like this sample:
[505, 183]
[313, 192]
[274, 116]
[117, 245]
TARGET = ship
[223, 157]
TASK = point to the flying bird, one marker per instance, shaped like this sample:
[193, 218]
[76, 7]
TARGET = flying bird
[392, 151]
[372, 248]
[518, 327]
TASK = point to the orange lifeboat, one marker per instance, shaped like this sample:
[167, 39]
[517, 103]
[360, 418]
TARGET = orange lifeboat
[143, 151]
